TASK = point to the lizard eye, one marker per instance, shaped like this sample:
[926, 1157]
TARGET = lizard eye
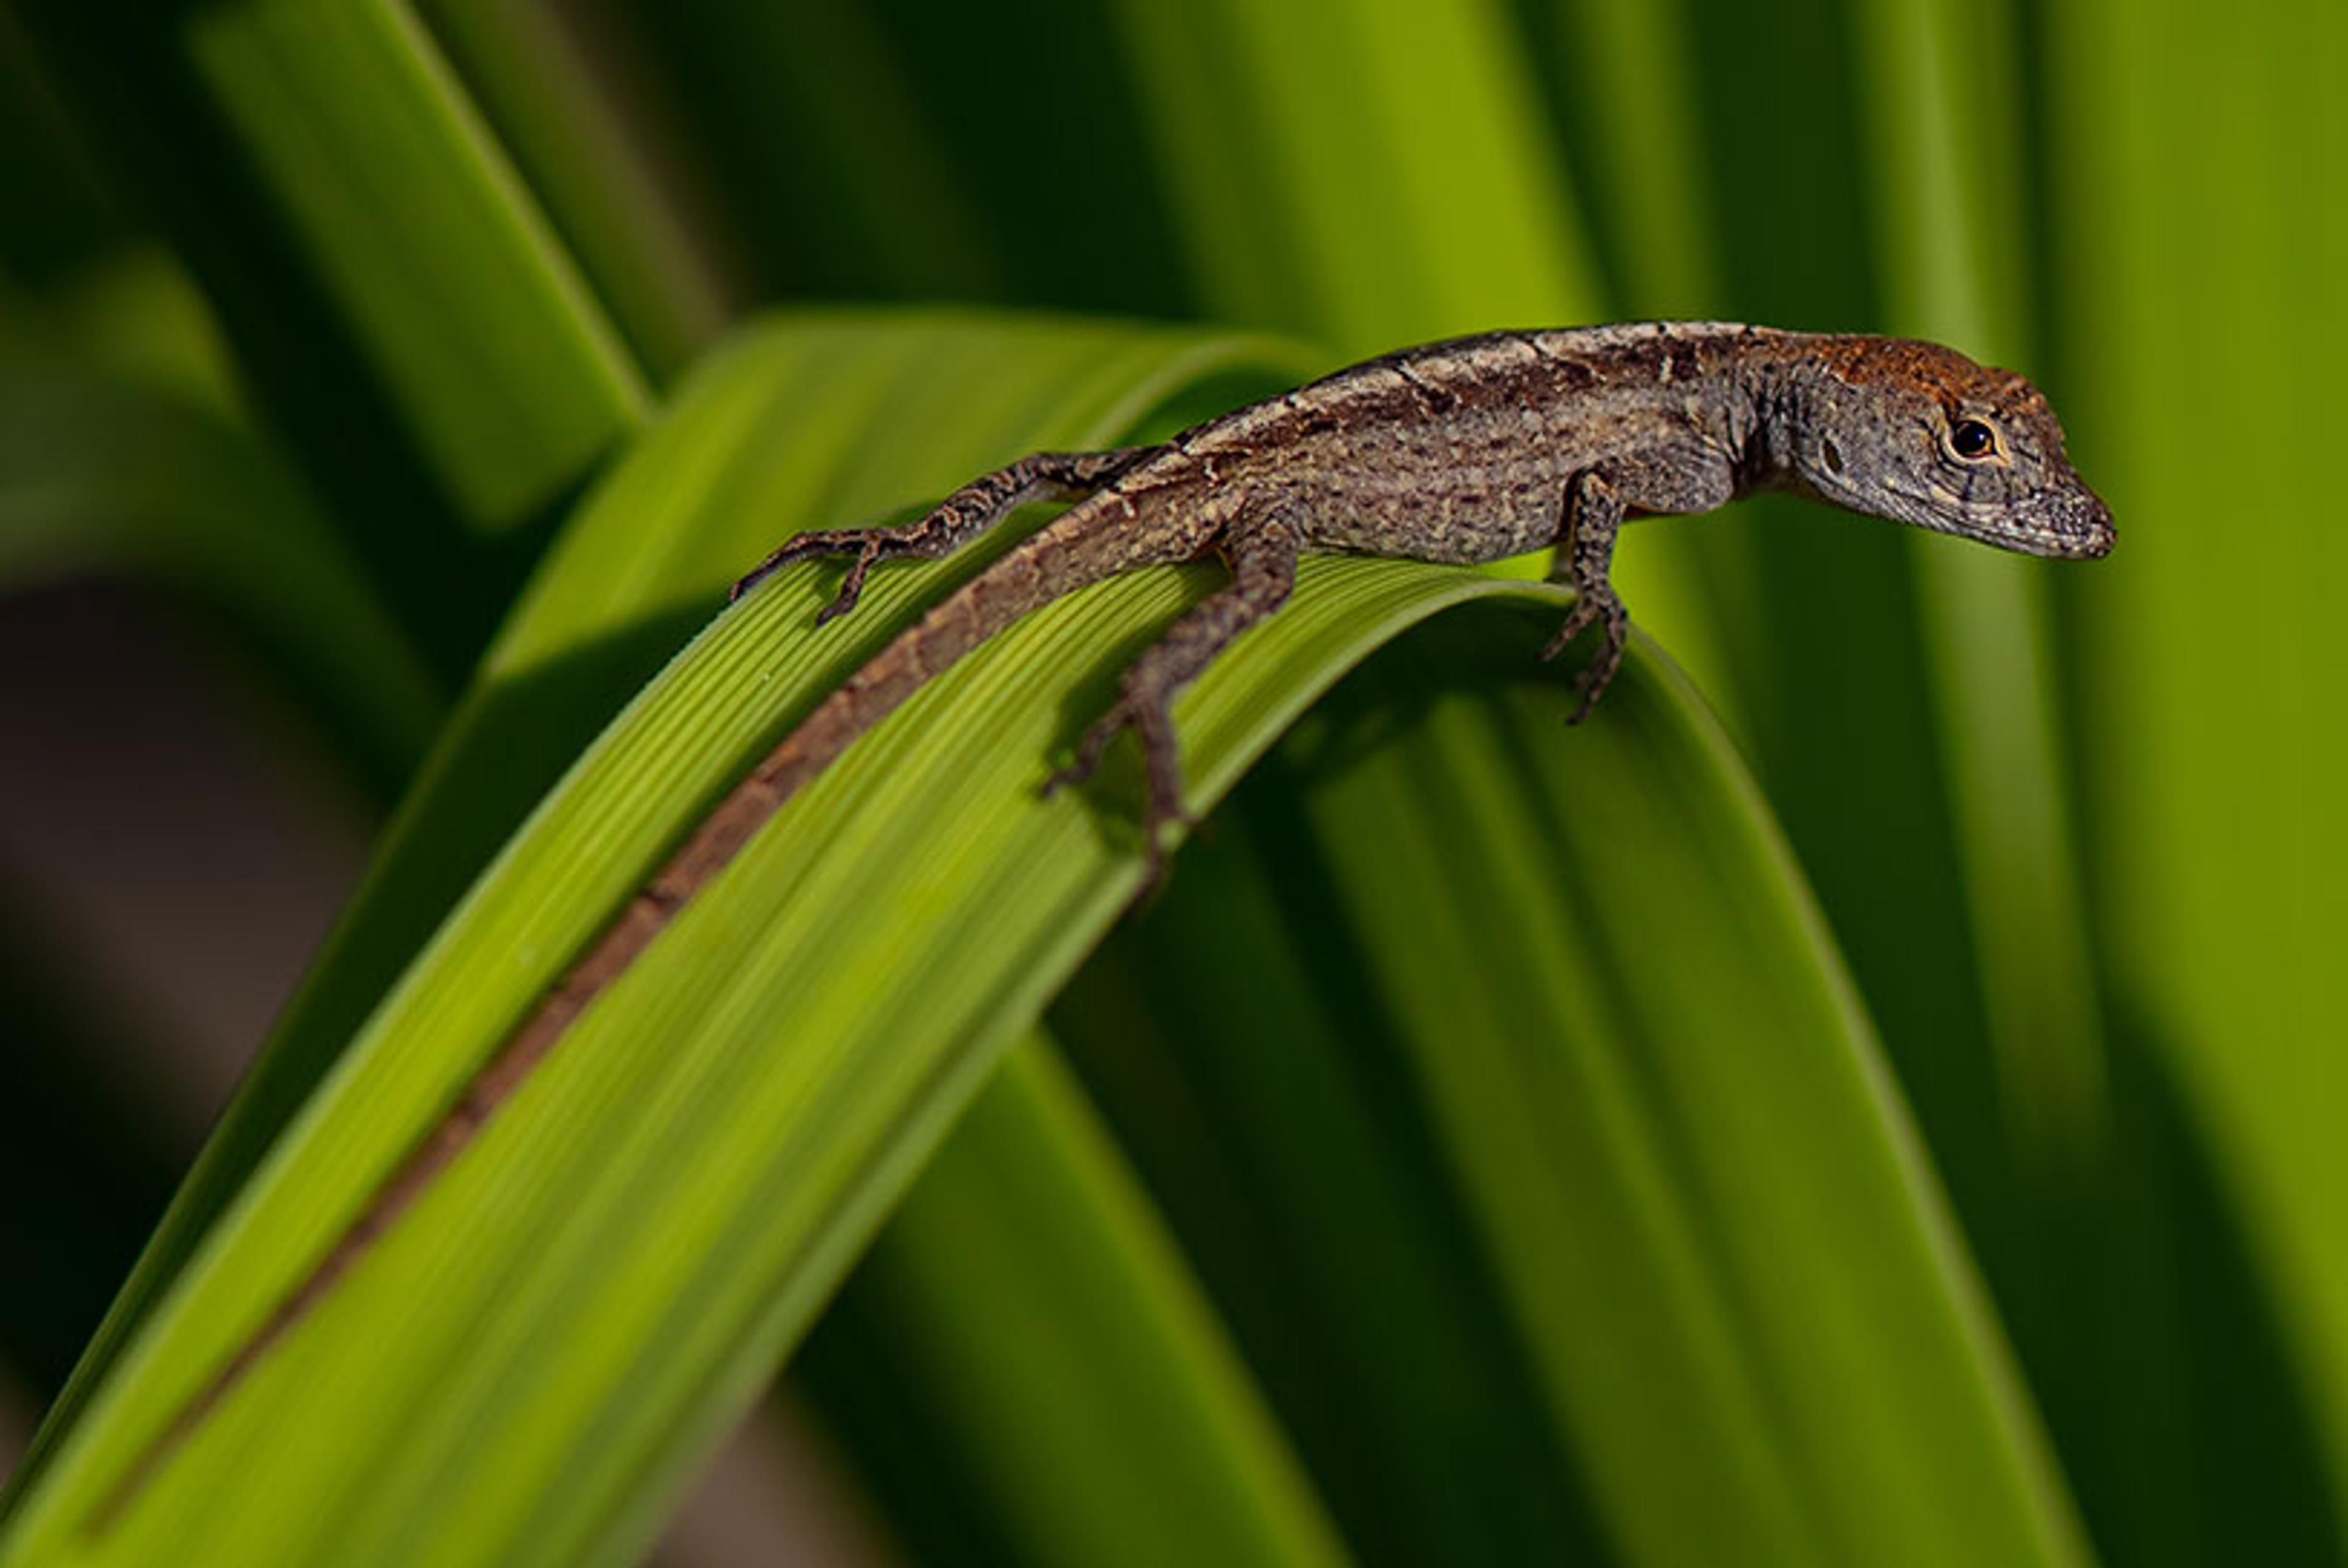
[1972, 439]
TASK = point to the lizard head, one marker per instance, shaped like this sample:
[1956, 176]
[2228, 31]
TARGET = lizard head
[1921, 434]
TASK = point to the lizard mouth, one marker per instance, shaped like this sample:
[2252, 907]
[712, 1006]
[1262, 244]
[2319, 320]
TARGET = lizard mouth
[2071, 524]
[2056, 543]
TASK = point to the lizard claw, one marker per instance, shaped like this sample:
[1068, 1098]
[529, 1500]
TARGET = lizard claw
[1577, 622]
[1155, 859]
[798, 549]
[851, 587]
[870, 544]
[763, 570]
[1589, 611]
[1163, 809]
[1090, 748]
[1157, 855]
[1591, 691]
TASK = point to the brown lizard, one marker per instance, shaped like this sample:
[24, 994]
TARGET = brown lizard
[1464, 451]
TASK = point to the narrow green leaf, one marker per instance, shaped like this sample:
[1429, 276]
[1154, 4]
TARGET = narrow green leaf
[500, 362]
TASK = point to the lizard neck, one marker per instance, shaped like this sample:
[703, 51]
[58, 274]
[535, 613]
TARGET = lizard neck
[1798, 388]
[1774, 396]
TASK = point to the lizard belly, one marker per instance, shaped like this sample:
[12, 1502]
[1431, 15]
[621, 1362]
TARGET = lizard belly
[1461, 515]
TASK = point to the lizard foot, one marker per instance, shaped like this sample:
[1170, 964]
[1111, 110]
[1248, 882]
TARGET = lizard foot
[1161, 756]
[1590, 609]
[871, 545]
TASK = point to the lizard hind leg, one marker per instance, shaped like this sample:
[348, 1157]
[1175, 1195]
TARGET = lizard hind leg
[952, 522]
[1594, 516]
[1261, 557]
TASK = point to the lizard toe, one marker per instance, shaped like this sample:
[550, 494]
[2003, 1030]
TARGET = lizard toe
[1576, 623]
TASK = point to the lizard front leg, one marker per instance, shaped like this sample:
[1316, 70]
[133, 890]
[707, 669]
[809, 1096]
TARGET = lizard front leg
[955, 521]
[1261, 557]
[1593, 515]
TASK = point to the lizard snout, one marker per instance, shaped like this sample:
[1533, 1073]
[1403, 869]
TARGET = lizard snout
[2086, 529]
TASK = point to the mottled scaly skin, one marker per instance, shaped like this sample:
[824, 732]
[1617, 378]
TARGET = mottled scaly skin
[1463, 451]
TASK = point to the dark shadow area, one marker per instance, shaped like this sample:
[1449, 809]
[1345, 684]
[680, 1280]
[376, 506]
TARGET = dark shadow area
[84, 1182]
[60, 215]
[876, 1404]
[851, 110]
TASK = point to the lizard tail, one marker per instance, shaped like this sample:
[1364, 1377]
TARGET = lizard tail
[1081, 547]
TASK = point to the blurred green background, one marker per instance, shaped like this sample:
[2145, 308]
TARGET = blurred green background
[319, 320]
